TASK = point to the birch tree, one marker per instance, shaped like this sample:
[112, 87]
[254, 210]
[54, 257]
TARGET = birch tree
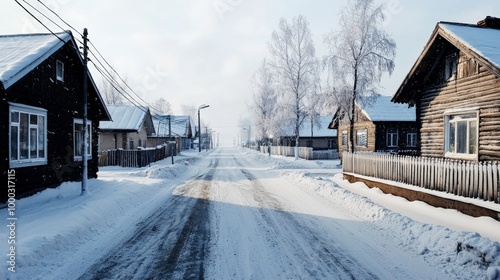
[161, 106]
[360, 52]
[110, 92]
[294, 62]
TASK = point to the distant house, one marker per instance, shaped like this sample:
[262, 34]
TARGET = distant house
[455, 87]
[41, 111]
[129, 129]
[172, 128]
[320, 137]
[381, 126]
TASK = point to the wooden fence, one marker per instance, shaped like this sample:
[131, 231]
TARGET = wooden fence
[135, 158]
[304, 152]
[463, 178]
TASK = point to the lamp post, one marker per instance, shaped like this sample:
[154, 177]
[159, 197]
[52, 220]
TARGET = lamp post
[199, 125]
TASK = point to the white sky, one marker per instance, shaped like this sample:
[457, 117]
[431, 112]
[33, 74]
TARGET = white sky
[195, 52]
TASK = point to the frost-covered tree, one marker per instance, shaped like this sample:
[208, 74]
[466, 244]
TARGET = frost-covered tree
[110, 91]
[359, 53]
[263, 106]
[161, 107]
[294, 62]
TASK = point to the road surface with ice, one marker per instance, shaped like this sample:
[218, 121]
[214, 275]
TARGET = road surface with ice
[238, 214]
[237, 220]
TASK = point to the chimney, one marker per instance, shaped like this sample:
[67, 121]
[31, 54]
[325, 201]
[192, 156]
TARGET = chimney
[491, 22]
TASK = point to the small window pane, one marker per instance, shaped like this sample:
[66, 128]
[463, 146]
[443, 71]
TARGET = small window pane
[14, 134]
[41, 136]
[33, 119]
[452, 137]
[14, 117]
[461, 137]
[472, 137]
[24, 137]
[33, 142]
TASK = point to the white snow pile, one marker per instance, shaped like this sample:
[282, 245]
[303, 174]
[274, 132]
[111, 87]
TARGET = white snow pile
[458, 252]
[56, 221]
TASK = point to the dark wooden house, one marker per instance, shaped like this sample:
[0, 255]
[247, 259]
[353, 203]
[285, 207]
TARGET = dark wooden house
[172, 128]
[455, 87]
[41, 110]
[381, 126]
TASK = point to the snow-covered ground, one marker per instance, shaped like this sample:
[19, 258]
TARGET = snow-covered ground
[60, 234]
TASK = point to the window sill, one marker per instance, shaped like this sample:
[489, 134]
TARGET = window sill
[461, 156]
[80, 158]
[27, 163]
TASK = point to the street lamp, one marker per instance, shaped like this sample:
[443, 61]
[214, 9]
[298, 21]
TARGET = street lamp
[199, 125]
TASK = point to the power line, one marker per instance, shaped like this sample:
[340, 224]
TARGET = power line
[120, 89]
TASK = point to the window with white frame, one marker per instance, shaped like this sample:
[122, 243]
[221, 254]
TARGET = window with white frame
[78, 139]
[392, 137]
[59, 71]
[344, 138]
[461, 135]
[361, 138]
[28, 135]
[411, 139]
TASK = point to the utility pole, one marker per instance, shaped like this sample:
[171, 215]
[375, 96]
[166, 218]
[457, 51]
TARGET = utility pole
[85, 132]
[169, 128]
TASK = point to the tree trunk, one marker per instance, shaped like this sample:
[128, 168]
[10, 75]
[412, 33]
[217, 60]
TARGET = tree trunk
[353, 110]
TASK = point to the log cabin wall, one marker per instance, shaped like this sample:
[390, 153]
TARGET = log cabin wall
[474, 87]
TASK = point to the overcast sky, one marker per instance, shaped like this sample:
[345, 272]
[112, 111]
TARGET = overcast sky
[194, 52]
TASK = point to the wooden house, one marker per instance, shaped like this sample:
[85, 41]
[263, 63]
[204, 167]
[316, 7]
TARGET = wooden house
[317, 136]
[455, 87]
[41, 111]
[172, 128]
[129, 129]
[381, 126]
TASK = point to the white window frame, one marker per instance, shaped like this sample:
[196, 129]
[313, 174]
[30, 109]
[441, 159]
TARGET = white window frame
[59, 68]
[89, 140]
[30, 111]
[362, 133]
[391, 136]
[447, 145]
[411, 139]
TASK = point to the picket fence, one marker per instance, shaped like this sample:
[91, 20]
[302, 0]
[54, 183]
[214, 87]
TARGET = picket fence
[468, 179]
[304, 152]
[135, 158]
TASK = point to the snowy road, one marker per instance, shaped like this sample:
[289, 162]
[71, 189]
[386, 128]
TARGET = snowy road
[234, 213]
[238, 220]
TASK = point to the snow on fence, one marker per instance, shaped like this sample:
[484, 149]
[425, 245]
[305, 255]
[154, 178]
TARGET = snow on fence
[135, 158]
[463, 178]
[304, 152]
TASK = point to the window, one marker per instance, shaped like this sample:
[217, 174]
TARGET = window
[131, 144]
[392, 137]
[411, 139]
[461, 135]
[361, 139]
[78, 138]
[28, 135]
[332, 144]
[450, 68]
[344, 138]
[59, 71]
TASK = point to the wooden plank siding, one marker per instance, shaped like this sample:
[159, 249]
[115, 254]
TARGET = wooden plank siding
[481, 90]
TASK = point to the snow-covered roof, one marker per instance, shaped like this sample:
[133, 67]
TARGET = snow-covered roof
[484, 41]
[383, 110]
[124, 117]
[20, 54]
[318, 131]
[179, 124]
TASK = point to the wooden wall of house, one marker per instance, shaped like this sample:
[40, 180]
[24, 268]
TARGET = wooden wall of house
[63, 102]
[403, 129]
[371, 139]
[468, 91]
[318, 143]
